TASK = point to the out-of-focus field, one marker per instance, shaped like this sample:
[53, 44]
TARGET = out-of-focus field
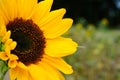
[98, 54]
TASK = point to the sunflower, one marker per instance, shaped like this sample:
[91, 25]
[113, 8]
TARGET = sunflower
[40, 46]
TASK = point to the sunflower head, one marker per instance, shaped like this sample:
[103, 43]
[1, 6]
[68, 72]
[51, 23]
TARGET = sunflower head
[31, 42]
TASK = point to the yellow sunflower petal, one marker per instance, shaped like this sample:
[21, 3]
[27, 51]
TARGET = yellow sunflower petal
[7, 50]
[8, 42]
[3, 10]
[56, 30]
[25, 77]
[3, 56]
[12, 63]
[8, 11]
[13, 45]
[58, 63]
[25, 8]
[3, 16]
[41, 10]
[49, 69]
[2, 27]
[2, 30]
[37, 73]
[21, 65]
[11, 11]
[13, 73]
[60, 47]
[52, 18]
[19, 71]
[19, 74]
[7, 36]
[13, 57]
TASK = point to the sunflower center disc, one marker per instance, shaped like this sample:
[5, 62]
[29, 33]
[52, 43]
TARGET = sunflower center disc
[30, 40]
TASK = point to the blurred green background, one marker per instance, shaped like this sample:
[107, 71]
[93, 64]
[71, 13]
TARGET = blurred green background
[98, 54]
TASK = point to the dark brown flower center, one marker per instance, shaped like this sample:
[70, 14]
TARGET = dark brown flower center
[30, 40]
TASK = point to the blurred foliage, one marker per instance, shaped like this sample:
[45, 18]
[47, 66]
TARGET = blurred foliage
[98, 55]
[3, 69]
